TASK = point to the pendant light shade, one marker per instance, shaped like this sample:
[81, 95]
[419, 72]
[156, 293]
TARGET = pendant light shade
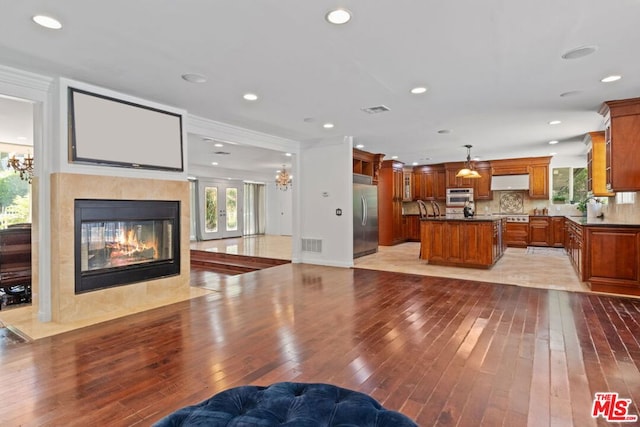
[468, 171]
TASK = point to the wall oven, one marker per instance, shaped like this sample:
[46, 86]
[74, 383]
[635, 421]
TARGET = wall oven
[459, 196]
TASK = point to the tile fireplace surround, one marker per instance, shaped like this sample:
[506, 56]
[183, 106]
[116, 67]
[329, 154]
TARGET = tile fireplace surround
[66, 306]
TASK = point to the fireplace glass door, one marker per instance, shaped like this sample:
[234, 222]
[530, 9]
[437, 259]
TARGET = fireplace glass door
[109, 244]
[118, 242]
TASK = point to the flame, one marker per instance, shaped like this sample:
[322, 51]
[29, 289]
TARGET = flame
[127, 245]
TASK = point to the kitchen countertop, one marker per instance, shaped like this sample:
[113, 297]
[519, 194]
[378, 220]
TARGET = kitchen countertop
[476, 218]
[600, 222]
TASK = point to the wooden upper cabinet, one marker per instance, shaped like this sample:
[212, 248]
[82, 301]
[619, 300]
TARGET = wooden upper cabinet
[509, 167]
[429, 182]
[407, 185]
[482, 185]
[539, 180]
[622, 139]
[452, 181]
[596, 164]
[536, 167]
[365, 163]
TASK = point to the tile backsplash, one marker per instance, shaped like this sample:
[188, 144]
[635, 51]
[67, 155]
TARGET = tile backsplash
[627, 212]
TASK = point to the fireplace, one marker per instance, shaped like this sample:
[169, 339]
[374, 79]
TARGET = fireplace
[118, 242]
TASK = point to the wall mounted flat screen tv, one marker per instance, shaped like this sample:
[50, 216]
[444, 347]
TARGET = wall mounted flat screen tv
[113, 132]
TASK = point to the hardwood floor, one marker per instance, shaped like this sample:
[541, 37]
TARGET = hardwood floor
[443, 351]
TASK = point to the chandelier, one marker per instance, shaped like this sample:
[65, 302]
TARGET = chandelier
[24, 166]
[468, 171]
[283, 179]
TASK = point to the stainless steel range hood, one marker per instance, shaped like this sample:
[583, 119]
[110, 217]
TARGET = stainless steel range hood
[509, 182]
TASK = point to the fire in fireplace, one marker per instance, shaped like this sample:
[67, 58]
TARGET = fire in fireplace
[118, 242]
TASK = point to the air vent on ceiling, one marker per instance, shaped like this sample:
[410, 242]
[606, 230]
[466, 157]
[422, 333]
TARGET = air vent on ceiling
[375, 110]
[222, 153]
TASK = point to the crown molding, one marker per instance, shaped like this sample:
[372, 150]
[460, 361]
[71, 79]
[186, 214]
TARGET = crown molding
[229, 133]
[25, 79]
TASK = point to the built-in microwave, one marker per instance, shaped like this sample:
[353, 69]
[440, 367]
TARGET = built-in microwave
[459, 196]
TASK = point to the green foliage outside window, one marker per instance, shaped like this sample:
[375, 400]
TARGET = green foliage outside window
[15, 200]
[211, 209]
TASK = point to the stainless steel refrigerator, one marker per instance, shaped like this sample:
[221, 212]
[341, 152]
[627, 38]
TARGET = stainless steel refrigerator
[365, 216]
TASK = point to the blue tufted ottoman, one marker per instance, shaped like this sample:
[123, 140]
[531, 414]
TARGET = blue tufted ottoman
[287, 404]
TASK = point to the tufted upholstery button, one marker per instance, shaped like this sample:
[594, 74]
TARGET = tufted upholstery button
[287, 404]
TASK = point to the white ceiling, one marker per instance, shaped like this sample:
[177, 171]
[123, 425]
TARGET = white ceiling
[493, 68]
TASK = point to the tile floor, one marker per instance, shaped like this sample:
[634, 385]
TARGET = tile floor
[547, 268]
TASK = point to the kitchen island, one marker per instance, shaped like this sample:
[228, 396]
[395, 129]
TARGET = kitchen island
[605, 253]
[475, 242]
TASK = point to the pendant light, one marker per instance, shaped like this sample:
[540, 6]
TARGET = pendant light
[468, 171]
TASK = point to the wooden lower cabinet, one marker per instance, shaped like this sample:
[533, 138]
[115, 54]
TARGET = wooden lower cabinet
[516, 234]
[612, 259]
[546, 231]
[574, 247]
[411, 227]
[461, 243]
[556, 235]
[539, 228]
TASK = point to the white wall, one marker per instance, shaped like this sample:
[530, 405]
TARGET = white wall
[326, 175]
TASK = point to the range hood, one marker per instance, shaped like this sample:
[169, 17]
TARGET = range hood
[509, 182]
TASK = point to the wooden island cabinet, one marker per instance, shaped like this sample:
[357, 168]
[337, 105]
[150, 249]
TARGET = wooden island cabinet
[612, 259]
[465, 242]
[605, 255]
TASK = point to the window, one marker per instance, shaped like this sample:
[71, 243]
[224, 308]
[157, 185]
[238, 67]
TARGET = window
[569, 185]
[625, 197]
[15, 195]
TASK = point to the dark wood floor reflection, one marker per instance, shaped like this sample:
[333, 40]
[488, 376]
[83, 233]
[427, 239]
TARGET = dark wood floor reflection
[442, 351]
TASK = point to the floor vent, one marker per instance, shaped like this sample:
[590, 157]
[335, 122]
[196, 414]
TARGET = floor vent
[312, 245]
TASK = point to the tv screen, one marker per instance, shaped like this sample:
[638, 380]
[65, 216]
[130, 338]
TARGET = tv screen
[113, 132]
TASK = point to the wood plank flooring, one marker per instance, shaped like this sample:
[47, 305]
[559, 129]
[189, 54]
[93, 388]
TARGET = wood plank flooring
[446, 352]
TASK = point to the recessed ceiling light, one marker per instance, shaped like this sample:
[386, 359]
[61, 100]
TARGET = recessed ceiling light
[214, 163]
[418, 90]
[194, 78]
[338, 16]
[218, 144]
[47, 22]
[327, 125]
[553, 142]
[394, 157]
[555, 122]
[288, 154]
[579, 52]
[414, 164]
[360, 146]
[610, 79]
[444, 131]
[250, 96]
